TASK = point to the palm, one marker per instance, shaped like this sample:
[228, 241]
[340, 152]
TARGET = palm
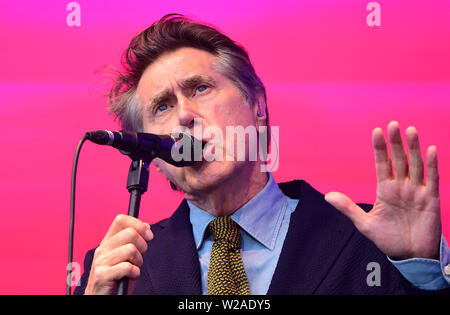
[405, 219]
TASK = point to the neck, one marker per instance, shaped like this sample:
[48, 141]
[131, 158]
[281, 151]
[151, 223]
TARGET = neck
[233, 192]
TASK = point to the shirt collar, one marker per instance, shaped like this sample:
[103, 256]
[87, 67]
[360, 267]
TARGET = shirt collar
[260, 217]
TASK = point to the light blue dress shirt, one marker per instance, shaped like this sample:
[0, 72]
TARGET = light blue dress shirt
[264, 222]
[427, 274]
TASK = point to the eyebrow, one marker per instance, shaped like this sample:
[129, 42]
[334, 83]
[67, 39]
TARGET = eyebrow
[186, 84]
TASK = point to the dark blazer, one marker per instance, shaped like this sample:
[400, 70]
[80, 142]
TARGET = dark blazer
[323, 253]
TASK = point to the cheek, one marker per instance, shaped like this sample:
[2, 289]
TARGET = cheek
[234, 111]
[171, 172]
[160, 128]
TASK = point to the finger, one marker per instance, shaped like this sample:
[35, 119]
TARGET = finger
[416, 167]
[127, 252]
[432, 172]
[383, 165]
[350, 209]
[122, 222]
[399, 159]
[119, 271]
[123, 237]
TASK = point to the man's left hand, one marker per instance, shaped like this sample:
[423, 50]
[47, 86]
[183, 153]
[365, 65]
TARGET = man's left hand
[405, 221]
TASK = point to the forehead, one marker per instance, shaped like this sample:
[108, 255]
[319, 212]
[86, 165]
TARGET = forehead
[172, 67]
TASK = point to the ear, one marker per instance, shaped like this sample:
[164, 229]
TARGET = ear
[259, 110]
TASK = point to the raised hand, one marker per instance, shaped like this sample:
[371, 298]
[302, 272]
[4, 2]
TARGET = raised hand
[405, 221]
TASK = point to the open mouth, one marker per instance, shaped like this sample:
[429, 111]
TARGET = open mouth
[200, 150]
[204, 157]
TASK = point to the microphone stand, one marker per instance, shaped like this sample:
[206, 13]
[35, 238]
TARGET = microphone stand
[137, 184]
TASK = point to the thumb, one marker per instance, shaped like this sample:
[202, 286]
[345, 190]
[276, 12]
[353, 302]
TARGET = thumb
[347, 207]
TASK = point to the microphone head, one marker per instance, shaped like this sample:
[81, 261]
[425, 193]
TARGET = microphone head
[181, 150]
[178, 149]
[104, 137]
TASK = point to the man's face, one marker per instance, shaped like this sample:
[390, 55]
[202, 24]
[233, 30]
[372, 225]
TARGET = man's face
[184, 85]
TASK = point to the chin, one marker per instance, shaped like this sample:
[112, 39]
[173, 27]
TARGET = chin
[206, 176]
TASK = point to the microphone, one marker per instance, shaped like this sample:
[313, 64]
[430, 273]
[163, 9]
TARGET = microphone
[176, 150]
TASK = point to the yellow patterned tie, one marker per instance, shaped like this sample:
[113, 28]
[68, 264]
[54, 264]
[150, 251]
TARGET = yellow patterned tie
[226, 274]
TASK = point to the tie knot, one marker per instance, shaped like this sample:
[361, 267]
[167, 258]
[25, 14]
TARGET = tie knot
[223, 228]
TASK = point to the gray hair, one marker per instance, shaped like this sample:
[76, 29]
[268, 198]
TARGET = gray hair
[171, 32]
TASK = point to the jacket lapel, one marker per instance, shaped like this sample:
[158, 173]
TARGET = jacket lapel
[172, 264]
[317, 233]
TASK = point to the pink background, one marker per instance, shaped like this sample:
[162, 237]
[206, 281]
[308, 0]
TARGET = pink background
[330, 80]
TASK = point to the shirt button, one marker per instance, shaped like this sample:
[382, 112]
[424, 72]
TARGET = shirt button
[447, 270]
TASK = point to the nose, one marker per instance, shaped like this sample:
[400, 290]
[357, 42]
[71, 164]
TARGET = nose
[187, 112]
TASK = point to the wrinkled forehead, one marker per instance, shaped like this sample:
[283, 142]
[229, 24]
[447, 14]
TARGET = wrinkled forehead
[174, 68]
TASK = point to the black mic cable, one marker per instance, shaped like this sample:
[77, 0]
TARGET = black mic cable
[138, 146]
[72, 213]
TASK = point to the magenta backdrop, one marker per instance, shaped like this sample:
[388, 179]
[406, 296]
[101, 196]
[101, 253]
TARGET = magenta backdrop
[330, 80]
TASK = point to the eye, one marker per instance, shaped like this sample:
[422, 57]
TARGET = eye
[201, 88]
[161, 108]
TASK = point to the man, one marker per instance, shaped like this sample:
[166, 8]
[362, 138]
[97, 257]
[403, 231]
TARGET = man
[290, 239]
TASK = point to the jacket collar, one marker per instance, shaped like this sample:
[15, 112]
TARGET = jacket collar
[316, 236]
[263, 226]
